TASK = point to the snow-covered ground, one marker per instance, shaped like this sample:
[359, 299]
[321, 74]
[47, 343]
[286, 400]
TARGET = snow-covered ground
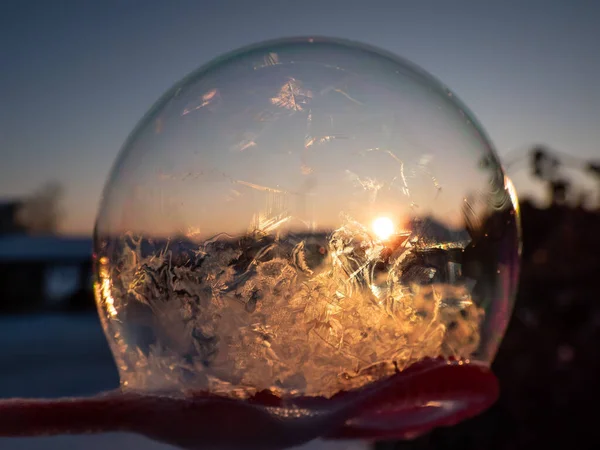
[55, 356]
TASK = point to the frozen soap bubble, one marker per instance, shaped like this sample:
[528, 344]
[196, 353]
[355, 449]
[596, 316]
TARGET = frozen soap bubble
[305, 216]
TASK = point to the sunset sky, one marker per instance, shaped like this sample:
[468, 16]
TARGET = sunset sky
[76, 76]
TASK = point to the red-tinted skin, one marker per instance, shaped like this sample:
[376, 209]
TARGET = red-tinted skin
[394, 408]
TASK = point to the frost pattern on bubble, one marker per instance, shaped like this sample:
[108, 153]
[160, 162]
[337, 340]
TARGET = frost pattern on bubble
[294, 313]
[288, 150]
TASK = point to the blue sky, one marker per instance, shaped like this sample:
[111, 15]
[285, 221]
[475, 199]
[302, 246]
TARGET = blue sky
[77, 75]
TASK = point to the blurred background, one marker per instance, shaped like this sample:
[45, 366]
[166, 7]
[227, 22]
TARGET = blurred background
[77, 75]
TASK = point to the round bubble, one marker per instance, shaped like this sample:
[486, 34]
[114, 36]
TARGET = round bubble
[305, 216]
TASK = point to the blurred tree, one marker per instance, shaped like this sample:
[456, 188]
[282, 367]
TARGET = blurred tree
[41, 211]
[546, 167]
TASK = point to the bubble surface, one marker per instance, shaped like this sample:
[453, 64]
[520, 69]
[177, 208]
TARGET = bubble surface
[305, 216]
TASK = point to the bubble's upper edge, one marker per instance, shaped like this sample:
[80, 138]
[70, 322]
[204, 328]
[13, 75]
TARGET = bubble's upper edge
[281, 42]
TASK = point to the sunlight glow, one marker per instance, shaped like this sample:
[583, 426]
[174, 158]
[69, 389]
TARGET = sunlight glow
[383, 227]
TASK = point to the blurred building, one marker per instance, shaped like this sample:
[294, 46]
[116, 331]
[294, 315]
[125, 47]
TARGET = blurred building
[42, 273]
[9, 210]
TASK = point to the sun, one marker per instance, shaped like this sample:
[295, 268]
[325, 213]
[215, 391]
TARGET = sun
[383, 227]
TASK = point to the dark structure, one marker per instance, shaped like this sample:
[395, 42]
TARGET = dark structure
[8, 217]
[42, 273]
